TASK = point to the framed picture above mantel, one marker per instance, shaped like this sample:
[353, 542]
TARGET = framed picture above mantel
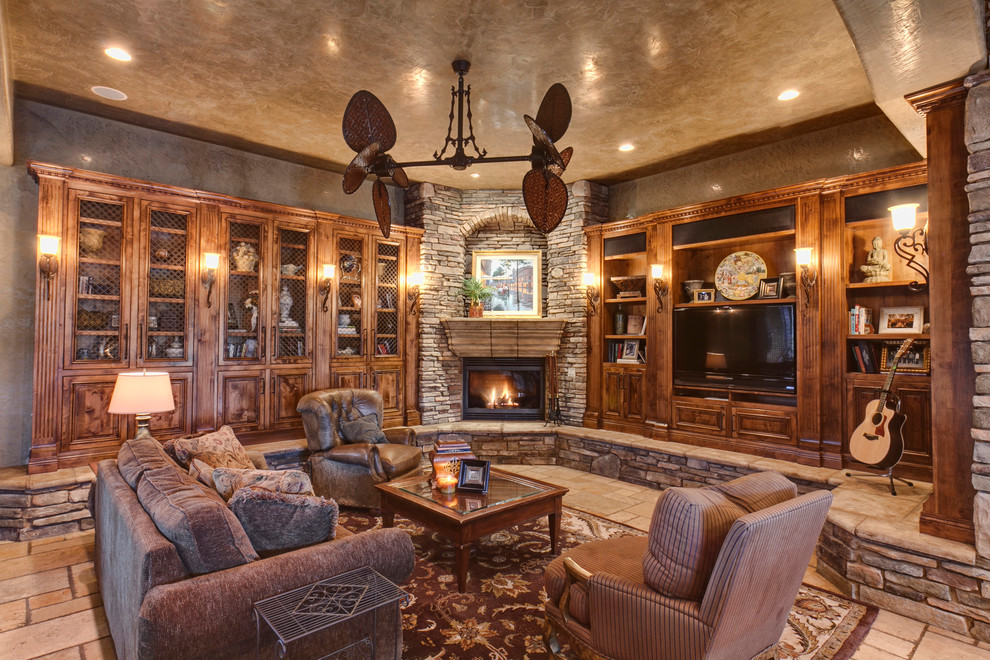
[516, 278]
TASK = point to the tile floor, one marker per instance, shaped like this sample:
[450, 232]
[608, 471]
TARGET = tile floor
[50, 605]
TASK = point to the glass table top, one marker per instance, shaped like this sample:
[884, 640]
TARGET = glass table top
[500, 490]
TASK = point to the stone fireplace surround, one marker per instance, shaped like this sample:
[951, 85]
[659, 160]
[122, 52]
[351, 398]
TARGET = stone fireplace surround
[458, 222]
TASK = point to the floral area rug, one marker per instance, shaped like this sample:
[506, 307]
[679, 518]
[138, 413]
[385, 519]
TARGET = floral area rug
[501, 615]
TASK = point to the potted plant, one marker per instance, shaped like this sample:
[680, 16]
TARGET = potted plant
[479, 293]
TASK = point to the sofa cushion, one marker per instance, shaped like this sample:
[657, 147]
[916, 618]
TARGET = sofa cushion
[205, 532]
[687, 531]
[758, 490]
[139, 454]
[362, 429]
[219, 449]
[202, 473]
[399, 459]
[227, 481]
[282, 521]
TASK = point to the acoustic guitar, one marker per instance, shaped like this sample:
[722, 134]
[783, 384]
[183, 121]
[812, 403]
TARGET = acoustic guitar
[877, 440]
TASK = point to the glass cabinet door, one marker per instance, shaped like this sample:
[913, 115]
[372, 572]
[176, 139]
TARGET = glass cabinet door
[291, 294]
[99, 331]
[166, 305]
[245, 320]
[350, 321]
[387, 339]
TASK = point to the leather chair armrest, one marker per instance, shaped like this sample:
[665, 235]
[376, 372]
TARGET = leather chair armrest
[363, 453]
[317, 422]
[258, 460]
[400, 435]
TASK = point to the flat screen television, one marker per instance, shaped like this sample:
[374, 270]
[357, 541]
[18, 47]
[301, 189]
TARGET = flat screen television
[736, 347]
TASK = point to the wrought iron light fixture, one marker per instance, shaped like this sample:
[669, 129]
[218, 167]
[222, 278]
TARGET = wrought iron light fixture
[413, 282]
[660, 286]
[591, 289]
[911, 242]
[48, 246]
[809, 274]
[326, 284]
[211, 261]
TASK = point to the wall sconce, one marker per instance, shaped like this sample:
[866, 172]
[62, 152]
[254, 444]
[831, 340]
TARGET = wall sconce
[48, 246]
[326, 283]
[413, 282]
[211, 261]
[659, 285]
[911, 242]
[809, 275]
[591, 288]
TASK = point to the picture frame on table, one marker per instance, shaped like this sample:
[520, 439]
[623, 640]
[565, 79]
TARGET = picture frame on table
[917, 358]
[703, 295]
[473, 475]
[630, 349]
[901, 320]
[769, 288]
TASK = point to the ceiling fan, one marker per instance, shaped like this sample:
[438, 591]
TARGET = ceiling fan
[369, 130]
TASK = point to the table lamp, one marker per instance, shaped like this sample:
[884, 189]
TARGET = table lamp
[141, 393]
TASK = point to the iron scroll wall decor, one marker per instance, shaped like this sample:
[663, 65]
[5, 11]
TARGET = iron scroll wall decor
[369, 131]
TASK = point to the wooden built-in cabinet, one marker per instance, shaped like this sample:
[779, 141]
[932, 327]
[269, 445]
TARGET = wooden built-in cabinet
[807, 419]
[131, 293]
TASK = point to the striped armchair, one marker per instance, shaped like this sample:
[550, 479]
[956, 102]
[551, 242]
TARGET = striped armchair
[715, 578]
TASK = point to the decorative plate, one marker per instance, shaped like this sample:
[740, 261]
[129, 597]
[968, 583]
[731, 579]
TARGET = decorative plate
[738, 276]
[348, 263]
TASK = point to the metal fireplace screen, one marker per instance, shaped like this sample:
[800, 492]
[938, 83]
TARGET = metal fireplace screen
[503, 388]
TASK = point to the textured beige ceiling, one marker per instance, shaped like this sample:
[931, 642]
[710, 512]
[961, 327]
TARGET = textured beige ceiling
[675, 78]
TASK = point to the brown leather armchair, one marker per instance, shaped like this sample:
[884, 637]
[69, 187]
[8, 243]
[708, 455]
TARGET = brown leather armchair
[715, 579]
[348, 472]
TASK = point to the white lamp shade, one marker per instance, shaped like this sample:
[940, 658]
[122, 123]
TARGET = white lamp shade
[802, 256]
[329, 270]
[144, 392]
[211, 260]
[656, 271]
[903, 216]
[48, 244]
[590, 279]
[415, 279]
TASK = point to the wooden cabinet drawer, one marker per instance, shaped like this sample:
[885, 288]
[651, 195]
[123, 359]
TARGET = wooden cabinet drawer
[764, 425]
[708, 416]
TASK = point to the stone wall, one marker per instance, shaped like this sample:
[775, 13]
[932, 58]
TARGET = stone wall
[39, 505]
[978, 143]
[456, 222]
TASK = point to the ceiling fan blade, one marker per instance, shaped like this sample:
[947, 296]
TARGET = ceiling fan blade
[400, 178]
[555, 111]
[565, 157]
[379, 195]
[357, 169]
[546, 199]
[544, 143]
[366, 120]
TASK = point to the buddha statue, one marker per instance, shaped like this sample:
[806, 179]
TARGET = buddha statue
[877, 268]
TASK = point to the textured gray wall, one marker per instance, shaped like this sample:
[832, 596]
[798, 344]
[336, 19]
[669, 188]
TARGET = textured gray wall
[65, 137]
[859, 146]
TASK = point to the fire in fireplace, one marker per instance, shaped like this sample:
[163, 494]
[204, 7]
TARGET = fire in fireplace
[503, 388]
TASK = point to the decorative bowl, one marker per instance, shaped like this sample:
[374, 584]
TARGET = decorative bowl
[629, 283]
[91, 239]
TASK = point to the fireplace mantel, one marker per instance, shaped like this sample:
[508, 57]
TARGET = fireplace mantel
[501, 337]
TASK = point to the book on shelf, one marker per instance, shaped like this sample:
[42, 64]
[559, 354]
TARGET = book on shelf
[870, 362]
[859, 318]
[857, 353]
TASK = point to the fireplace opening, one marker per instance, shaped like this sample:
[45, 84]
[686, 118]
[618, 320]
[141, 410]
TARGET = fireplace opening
[503, 388]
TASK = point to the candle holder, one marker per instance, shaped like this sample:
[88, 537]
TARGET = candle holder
[446, 483]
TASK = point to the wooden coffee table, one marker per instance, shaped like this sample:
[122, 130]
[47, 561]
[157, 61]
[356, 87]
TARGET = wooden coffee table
[464, 517]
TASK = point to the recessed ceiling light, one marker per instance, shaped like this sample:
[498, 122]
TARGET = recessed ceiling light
[109, 93]
[118, 54]
[475, 175]
[788, 95]
[626, 147]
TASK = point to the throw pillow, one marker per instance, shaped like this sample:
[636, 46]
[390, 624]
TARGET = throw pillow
[686, 534]
[758, 490]
[206, 534]
[363, 429]
[281, 521]
[202, 473]
[227, 481]
[139, 454]
[219, 449]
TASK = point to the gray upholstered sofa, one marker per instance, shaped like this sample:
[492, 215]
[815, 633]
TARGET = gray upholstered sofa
[157, 608]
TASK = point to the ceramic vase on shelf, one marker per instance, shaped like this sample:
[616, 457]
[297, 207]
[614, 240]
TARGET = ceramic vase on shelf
[620, 321]
[689, 287]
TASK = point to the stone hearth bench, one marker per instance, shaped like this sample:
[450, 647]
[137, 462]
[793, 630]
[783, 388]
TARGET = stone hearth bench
[870, 548]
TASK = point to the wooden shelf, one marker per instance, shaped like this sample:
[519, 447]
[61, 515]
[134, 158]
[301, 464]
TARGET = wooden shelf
[112, 332]
[726, 303]
[98, 262]
[166, 267]
[168, 230]
[244, 273]
[882, 285]
[625, 336]
[890, 335]
[95, 221]
[627, 255]
[243, 240]
[294, 246]
[882, 376]
[171, 301]
[300, 278]
[737, 239]
[637, 299]
[95, 296]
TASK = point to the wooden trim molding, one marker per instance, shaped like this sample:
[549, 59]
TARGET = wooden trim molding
[938, 96]
[492, 338]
